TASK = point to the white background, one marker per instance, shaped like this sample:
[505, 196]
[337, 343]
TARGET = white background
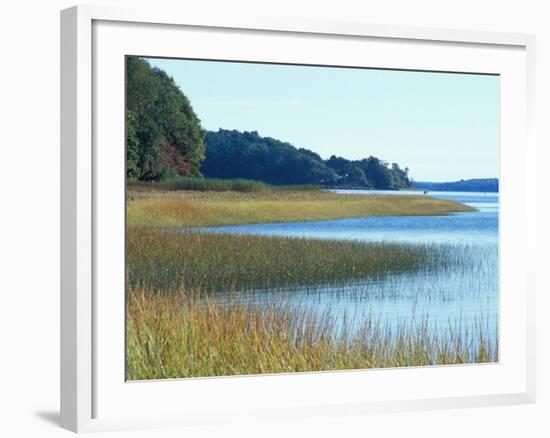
[29, 231]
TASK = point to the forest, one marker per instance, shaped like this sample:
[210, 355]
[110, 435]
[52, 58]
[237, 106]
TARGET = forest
[165, 138]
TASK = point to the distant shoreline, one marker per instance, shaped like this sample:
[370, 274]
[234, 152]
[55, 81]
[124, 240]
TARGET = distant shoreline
[487, 185]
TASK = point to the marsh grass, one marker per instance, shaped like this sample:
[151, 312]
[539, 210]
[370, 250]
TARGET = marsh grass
[184, 334]
[215, 208]
[168, 260]
[187, 183]
[213, 184]
[207, 304]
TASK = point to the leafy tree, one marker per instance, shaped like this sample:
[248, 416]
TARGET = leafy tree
[180, 124]
[377, 172]
[160, 113]
[132, 152]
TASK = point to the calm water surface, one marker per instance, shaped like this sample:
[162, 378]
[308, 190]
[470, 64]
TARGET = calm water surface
[460, 296]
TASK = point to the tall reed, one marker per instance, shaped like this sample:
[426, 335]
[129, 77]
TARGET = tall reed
[166, 260]
[184, 334]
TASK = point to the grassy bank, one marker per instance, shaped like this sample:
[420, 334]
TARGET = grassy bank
[211, 208]
[170, 336]
[168, 260]
[215, 185]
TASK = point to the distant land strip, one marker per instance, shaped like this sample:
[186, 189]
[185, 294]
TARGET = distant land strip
[488, 185]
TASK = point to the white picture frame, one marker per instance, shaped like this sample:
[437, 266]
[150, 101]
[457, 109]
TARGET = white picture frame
[90, 37]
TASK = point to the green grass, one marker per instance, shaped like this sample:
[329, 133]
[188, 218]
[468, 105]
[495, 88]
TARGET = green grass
[178, 183]
[213, 184]
[167, 260]
[213, 208]
[184, 335]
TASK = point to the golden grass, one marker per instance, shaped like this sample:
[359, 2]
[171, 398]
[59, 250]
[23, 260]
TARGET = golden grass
[181, 335]
[192, 208]
[173, 331]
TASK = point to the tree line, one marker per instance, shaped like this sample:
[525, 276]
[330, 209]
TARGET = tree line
[164, 137]
[234, 154]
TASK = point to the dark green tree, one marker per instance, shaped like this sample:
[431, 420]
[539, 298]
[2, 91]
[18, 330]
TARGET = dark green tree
[234, 154]
[132, 152]
[180, 124]
[161, 113]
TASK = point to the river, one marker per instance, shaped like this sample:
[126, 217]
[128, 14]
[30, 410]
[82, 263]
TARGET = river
[456, 298]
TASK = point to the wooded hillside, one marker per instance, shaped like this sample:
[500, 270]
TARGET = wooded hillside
[164, 138]
[234, 154]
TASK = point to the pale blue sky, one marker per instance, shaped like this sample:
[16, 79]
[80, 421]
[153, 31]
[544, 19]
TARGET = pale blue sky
[442, 126]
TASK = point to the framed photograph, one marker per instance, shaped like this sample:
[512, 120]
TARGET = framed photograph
[279, 218]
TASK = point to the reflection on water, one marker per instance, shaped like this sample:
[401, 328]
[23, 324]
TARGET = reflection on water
[461, 295]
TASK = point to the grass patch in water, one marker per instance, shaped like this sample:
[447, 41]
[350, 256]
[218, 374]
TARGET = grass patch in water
[216, 208]
[167, 260]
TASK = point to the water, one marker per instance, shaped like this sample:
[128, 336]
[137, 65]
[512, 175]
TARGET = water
[480, 227]
[459, 297]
